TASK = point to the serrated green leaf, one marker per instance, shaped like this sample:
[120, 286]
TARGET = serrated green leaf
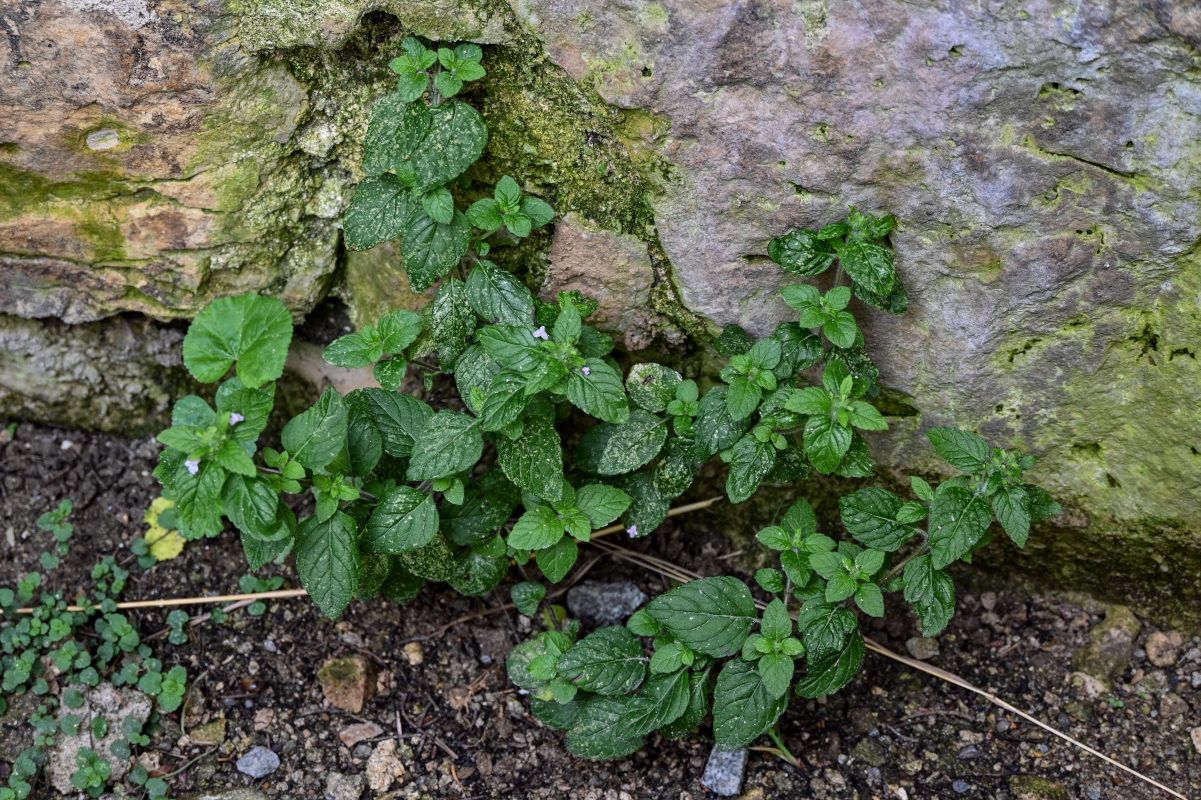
[496, 295]
[743, 708]
[751, 461]
[513, 346]
[534, 461]
[399, 329]
[476, 574]
[526, 596]
[601, 504]
[698, 706]
[776, 670]
[743, 398]
[826, 442]
[253, 506]
[801, 252]
[538, 528]
[652, 386]
[315, 437]
[609, 661]
[431, 249]
[393, 122]
[715, 429]
[870, 265]
[252, 331]
[870, 599]
[825, 628]
[1012, 507]
[377, 212]
[404, 519]
[596, 732]
[833, 670]
[661, 701]
[958, 521]
[711, 615]
[631, 444]
[400, 418]
[327, 560]
[931, 592]
[488, 504]
[556, 561]
[870, 516]
[648, 509]
[450, 442]
[965, 451]
[598, 392]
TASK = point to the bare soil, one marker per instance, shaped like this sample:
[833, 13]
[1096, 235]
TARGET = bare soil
[464, 731]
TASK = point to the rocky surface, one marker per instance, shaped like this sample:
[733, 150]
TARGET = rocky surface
[104, 702]
[598, 603]
[1042, 162]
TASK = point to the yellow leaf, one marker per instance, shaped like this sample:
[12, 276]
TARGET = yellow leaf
[164, 543]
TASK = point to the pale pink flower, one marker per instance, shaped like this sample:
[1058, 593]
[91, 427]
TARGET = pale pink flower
[542, 334]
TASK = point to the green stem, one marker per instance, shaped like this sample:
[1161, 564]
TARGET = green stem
[896, 570]
[785, 753]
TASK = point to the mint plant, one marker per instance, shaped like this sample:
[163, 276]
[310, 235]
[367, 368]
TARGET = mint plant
[403, 492]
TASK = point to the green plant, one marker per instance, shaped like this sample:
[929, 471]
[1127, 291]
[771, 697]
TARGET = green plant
[404, 492]
[77, 650]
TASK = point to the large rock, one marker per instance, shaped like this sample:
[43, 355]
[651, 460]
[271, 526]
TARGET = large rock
[1043, 163]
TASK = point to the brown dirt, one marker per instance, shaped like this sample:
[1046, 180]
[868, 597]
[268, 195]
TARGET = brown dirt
[464, 731]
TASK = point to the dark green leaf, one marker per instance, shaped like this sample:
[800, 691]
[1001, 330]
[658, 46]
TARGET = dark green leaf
[743, 708]
[661, 701]
[526, 596]
[400, 418]
[431, 249]
[870, 265]
[652, 386]
[801, 252]
[538, 528]
[514, 347]
[698, 706]
[870, 516]
[631, 444]
[450, 442]
[534, 461]
[715, 428]
[498, 296]
[315, 437]
[743, 398]
[597, 389]
[711, 615]
[364, 443]
[826, 442]
[327, 561]
[377, 212]
[405, 519]
[751, 461]
[1012, 507]
[958, 521]
[825, 628]
[597, 732]
[609, 661]
[965, 451]
[833, 670]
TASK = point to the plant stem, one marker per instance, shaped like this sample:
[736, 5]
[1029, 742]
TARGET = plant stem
[785, 753]
[917, 551]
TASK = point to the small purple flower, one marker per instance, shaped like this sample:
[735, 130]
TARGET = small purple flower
[586, 370]
[193, 465]
[235, 418]
[542, 334]
[633, 531]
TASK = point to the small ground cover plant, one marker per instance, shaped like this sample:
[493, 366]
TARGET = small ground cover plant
[59, 656]
[401, 492]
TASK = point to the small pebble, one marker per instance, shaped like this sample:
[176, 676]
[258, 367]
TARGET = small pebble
[961, 787]
[725, 770]
[258, 763]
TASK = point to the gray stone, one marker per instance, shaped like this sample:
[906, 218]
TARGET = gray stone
[1110, 645]
[1163, 649]
[725, 771]
[599, 604]
[960, 787]
[339, 786]
[113, 705]
[921, 647]
[1048, 229]
[258, 763]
